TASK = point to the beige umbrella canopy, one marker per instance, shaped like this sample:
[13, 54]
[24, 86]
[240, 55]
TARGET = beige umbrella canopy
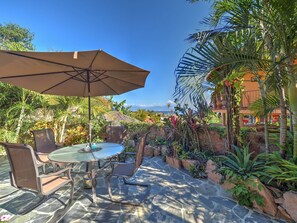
[85, 73]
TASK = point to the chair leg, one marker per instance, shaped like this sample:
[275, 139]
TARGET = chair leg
[87, 167]
[6, 195]
[128, 183]
[61, 213]
[43, 168]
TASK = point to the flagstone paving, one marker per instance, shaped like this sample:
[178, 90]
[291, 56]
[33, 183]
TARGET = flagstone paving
[174, 197]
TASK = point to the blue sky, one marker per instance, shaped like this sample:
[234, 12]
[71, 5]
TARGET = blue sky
[147, 33]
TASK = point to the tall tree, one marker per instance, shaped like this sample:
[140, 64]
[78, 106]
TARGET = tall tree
[15, 37]
[19, 101]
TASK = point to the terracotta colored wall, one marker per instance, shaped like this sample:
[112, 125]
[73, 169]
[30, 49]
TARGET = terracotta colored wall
[255, 139]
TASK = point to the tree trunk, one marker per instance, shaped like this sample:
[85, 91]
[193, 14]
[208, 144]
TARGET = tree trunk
[229, 127]
[64, 121]
[292, 92]
[283, 122]
[20, 123]
[263, 98]
[236, 124]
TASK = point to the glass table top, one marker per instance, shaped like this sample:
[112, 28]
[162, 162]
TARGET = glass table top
[73, 154]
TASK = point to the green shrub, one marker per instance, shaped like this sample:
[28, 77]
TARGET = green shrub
[198, 170]
[219, 129]
[76, 135]
[241, 170]
[280, 172]
[244, 133]
[244, 194]
[134, 130]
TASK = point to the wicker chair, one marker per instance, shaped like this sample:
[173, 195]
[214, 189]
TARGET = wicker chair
[127, 170]
[25, 176]
[44, 140]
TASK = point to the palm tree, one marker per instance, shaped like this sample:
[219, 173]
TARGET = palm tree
[274, 23]
[224, 55]
[74, 110]
[22, 102]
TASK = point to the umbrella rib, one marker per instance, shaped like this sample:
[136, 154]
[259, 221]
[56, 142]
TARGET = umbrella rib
[138, 71]
[40, 74]
[72, 77]
[43, 60]
[98, 51]
[109, 86]
[120, 80]
[97, 77]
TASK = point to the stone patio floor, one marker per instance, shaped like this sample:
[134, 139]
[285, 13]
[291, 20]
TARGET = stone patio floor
[174, 197]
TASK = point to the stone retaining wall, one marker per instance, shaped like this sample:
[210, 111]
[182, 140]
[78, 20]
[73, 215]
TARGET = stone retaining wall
[276, 203]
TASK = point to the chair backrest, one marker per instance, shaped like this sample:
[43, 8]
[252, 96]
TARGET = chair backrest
[23, 167]
[116, 134]
[44, 140]
[140, 151]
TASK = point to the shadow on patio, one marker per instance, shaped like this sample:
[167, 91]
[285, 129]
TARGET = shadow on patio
[175, 197]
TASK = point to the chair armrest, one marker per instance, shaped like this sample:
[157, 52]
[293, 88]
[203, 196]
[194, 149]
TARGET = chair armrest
[42, 157]
[129, 154]
[60, 172]
[40, 153]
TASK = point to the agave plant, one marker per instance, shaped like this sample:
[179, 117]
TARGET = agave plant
[240, 164]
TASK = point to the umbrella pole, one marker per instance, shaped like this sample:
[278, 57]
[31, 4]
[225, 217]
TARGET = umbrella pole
[89, 106]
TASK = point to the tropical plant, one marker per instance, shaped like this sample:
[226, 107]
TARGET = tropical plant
[76, 135]
[274, 34]
[240, 169]
[140, 115]
[280, 172]
[240, 164]
[223, 56]
[243, 193]
[198, 170]
[135, 130]
[16, 102]
[184, 125]
[274, 21]
[120, 106]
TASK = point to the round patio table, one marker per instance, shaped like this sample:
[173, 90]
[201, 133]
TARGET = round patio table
[74, 154]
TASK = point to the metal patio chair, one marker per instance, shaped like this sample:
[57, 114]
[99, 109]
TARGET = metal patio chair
[127, 170]
[115, 134]
[24, 175]
[44, 140]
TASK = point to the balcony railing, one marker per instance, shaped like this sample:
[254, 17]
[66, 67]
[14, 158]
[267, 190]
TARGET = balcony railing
[248, 97]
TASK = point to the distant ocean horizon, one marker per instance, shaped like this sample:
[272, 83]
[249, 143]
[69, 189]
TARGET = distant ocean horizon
[157, 109]
[164, 112]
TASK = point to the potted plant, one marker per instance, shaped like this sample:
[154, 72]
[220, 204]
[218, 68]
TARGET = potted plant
[161, 145]
[172, 155]
[187, 160]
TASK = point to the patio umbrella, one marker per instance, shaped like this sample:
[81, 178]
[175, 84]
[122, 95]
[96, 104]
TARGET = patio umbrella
[85, 73]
